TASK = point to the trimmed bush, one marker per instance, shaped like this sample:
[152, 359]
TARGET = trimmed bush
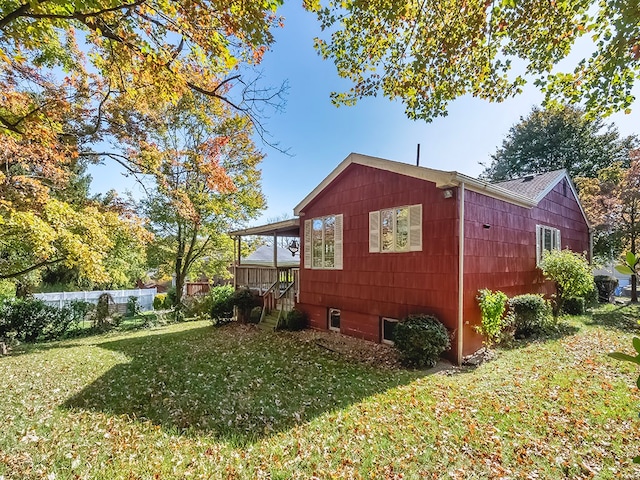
[244, 300]
[221, 307]
[606, 286]
[530, 313]
[159, 301]
[295, 320]
[254, 316]
[574, 306]
[421, 339]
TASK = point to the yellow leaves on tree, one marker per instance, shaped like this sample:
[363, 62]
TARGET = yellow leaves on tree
[79, 238]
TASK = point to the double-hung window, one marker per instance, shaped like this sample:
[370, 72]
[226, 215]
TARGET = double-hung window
[323, 242]
[397, 229]
[547, 239]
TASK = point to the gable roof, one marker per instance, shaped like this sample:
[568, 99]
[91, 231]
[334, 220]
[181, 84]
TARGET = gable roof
[522, 192]
[534, 186]
[442, 179]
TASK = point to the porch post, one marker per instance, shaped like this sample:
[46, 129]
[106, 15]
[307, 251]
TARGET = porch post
[275, 250]
[275, 259]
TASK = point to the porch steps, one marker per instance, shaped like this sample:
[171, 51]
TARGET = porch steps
[269, 322]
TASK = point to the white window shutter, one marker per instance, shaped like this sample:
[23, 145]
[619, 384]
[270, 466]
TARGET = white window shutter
[558, 244]
[338, 242]
[307, 243]
[415, 228]
[374, 231]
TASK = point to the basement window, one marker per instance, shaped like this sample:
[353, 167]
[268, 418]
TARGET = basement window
[388, 326]
[334, 319]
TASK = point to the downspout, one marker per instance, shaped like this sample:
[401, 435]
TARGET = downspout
[461, 274]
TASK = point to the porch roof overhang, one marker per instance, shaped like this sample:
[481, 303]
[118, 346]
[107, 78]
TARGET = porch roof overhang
[285, 228]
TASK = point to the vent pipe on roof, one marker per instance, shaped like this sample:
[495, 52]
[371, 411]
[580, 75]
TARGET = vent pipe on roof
[418, 156]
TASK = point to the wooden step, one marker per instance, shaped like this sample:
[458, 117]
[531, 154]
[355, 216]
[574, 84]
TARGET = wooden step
[269, 322]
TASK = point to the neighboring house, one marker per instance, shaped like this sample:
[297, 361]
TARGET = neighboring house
[382, 239]
[263, 257]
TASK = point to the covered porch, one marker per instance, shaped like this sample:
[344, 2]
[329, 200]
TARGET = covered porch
[273, 275]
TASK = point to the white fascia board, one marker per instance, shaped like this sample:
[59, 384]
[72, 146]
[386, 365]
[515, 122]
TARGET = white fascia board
[442, 179]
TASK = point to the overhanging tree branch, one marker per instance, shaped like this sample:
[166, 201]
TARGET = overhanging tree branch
[46, 263]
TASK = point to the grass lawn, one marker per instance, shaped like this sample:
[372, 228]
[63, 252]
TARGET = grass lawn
[190, 400]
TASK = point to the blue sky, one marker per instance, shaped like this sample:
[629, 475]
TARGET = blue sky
[318, 136]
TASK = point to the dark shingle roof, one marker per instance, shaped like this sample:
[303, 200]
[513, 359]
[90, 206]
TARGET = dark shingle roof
[532, 186]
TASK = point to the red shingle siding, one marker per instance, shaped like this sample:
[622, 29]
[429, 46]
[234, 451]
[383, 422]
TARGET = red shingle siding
[372, 285]
[503, 257]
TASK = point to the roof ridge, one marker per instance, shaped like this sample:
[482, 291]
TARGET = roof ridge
[557, 171]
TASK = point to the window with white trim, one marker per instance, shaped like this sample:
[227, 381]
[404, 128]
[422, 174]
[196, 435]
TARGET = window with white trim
[388, 327]
[397, 229]
[547, 239]
[323, 242]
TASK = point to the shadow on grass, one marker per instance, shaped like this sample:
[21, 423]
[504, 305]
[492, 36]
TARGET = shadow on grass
[552, 332]
[234, 382]
[618, 317]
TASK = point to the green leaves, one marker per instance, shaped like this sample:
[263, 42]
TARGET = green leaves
[570, 272]
[427, 54]
[631, 265]
[555, 137]
[492, 307]
[624, 269]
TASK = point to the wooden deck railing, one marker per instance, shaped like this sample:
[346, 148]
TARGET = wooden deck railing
[279, 287]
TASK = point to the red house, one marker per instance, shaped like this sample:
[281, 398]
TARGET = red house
[382, 239]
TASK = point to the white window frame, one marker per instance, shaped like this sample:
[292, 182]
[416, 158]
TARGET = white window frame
[387, 319]
[414, 227]
[540, 235]
[337, 243]
[330, 311]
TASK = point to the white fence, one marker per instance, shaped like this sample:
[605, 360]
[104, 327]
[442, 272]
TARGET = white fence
[145, 297]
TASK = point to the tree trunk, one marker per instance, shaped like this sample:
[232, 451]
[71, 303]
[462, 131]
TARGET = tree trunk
[179, 307]
[634, 289]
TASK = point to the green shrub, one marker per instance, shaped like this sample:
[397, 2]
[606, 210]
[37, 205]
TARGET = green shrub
[606, 286]
[591, 298]
[171, 298]
[7, 290]
[492, 307]
[30, 319]
[25, 318]
[574, 306]
[421, 339]
[133, 307]
[571, 274]
[221, 307]
[254, 316]
[244, 300]
[530, 313]
[159, 301]
[295, 320]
